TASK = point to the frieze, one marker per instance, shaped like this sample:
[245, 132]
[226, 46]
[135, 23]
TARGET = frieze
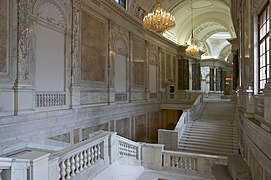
[25, 45]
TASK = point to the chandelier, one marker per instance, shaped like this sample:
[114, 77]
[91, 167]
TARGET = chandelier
[158, 20]
[192, 49]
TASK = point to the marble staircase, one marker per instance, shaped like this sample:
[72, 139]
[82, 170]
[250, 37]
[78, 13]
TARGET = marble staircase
[214, 133]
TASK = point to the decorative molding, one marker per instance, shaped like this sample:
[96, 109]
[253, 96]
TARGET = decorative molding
[50, 12]
[153, 54]
[119, 34]
[25, 51]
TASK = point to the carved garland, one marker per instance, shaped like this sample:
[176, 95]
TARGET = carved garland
[153, 52]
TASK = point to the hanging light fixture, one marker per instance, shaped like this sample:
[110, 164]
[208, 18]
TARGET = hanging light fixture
[158, 20]
[192, 49]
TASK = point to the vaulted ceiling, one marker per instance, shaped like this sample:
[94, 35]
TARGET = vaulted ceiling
[209, 18]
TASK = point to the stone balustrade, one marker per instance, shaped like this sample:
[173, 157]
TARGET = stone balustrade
[195, 163]
[48, 99]
[83, 156]
[129, 148]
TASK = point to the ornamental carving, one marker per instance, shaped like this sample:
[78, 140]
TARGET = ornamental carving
[50, 12]
[25, 45]
[76, 5]
[119, 39]
[153, 54]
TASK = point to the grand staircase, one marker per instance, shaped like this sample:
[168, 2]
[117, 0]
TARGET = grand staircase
[214, 133]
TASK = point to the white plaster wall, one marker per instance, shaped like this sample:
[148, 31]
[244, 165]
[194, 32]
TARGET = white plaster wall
[152, 79]
[120, 73]
[49, 59]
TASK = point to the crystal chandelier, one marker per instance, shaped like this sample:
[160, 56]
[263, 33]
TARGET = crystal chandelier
[192, 49]
[158, 20]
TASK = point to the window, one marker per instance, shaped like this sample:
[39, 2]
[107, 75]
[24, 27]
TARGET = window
[264, 48]
[121, 2]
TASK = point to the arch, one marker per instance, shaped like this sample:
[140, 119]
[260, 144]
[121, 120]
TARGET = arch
[51, 12]
[120, 46]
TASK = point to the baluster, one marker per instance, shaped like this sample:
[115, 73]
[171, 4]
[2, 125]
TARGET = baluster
[81, 161]
[85, 159]
[182, 162]
[1, 174]
[72, 166]
[99, 151]
[185, 163]
[89, 156]
[68, 168]
[92, 155]
[62, 170]
[194, 164]
[77, 164]
[190, 163]
[95, 153]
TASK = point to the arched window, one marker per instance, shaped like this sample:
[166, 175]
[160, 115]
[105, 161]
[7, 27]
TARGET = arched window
[264, 62]
[122, 3]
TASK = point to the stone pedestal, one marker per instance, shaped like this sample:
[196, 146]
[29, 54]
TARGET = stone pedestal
[39, 164]
[152, 156]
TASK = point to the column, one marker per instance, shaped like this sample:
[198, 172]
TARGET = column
[212, 79]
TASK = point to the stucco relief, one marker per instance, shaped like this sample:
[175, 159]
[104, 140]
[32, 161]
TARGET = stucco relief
[153, 54]
[3, 36]
[25, 43]
[119, 39]
[139, 56]
[93, 48]
[50, 12]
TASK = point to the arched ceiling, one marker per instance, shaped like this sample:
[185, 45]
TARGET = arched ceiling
[209, 17]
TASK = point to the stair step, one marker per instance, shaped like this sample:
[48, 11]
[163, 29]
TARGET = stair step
[204, 142]
[209, 138]
[214, 133]
[210, 135]
[205, 145]
[202, 151]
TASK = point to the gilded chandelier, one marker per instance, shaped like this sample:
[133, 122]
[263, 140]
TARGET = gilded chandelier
[158, 20]
[192, 49]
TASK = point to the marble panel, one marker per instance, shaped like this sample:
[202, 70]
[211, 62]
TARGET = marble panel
[93, 48]
[123, 127]
[174, 65]
[76, 136]
[255, 168]
[3, 36]
[153, 127]
[140, 128]
[87, 131]
[168, 66]
[139, 54]
[63, 137]
[163, 70]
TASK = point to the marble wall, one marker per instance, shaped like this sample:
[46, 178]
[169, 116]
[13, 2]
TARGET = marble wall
[3, 36]
[139, 57]
[93, 48]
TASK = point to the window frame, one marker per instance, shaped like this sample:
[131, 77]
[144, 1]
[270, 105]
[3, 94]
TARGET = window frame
[263, 46]
[122, 3]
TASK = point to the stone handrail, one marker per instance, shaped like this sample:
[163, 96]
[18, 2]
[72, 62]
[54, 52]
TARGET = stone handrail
[74, 160]
[13, 169]
[195, 163]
